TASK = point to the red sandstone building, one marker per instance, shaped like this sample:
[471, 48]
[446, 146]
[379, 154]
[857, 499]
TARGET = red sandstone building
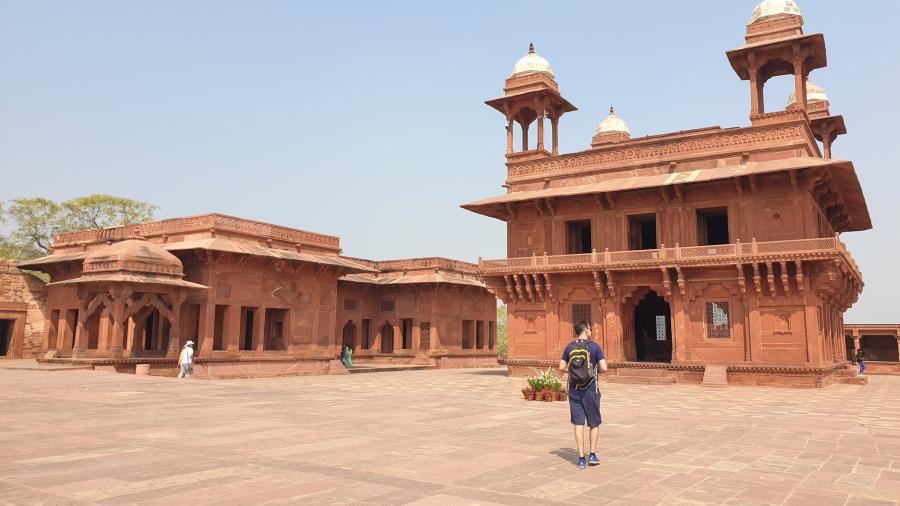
[23, 299]
[694, 254]
[258, 299]
[880, 344]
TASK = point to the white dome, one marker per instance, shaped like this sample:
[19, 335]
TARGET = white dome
[769, 8]
[612, 123]
[532, 63]
[813, 94]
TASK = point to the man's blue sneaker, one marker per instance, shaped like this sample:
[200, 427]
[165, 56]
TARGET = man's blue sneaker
[593, 460]
[581, 463]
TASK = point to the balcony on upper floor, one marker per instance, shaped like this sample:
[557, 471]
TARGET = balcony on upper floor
[754, 252]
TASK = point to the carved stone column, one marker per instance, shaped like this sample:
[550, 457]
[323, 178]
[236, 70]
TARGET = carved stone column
[175, 343]
[116, 345]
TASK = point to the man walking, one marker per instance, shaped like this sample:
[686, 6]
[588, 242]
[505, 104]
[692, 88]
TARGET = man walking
[581, 359]
[186, 361]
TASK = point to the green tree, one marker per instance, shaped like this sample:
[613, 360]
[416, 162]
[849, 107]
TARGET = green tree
[35, 221]
[501, 330]
[103, 211]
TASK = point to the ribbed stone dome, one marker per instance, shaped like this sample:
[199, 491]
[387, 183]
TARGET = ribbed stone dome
[769, 8]
[532, 63]
[813, 94]
[133, 256]
[612, 123]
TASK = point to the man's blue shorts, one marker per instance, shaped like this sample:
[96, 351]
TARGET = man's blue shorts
[584, 405]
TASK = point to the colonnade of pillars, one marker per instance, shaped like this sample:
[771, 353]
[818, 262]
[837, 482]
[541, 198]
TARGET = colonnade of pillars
[525, 122]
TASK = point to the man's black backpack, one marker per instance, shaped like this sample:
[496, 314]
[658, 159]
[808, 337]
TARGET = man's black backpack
[581, 372]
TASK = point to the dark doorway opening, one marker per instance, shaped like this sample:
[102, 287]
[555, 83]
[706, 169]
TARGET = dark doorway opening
[642, 232]
[653, 329]
[406, 333]
[149, 328]
[712, 226]
[468, 331]
[578, 237]
[880, 348]
[387, 338]
[248, 317]
[6, 334]
[274, 338]
[349, 336]
[219, 327]
[366, 334]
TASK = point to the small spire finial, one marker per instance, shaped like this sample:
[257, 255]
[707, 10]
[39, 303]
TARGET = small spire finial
[612, 110]
[531, 48]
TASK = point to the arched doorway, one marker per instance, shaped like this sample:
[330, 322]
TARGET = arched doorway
[653, 329]
[387, 338]
[349, 334]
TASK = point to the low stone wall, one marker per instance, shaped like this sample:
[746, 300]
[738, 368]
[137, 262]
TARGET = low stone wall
[452, 361]
[217, 368]
[773, 375]
[391, 358]
[878, 367]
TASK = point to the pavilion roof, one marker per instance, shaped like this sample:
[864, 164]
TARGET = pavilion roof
[435, 277]
[130, 278]
[222, 245]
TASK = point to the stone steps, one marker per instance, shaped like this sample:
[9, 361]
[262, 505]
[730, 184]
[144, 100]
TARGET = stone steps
[388, 368]
[715, 375]
[641, 380]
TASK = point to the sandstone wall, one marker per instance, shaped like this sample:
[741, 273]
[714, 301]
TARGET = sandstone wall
[23, 298]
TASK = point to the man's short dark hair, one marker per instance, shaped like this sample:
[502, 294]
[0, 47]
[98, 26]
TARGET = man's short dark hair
[581, 326]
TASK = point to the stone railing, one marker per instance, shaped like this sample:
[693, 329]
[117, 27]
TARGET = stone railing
[660, 149]
[425, 263]
[199, 223]
[801, 249]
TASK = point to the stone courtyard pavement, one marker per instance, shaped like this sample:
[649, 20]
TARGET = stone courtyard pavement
[436, 437]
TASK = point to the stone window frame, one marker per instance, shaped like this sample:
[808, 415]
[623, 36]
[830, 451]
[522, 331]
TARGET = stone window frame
[710, 330]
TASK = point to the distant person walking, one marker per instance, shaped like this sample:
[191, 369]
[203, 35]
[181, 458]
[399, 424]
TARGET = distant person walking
[347, 356]
[186, 361]
[581, 359]
[859, 360]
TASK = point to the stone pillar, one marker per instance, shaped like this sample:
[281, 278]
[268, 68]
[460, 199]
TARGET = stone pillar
[175, 334]
[416, 335]
[259, 329]
[232, 332]
[130, 334]
[116, 345]
[524, 136]
[754, 327]
[613, 323]
[398, 337]
[79, 346]
[680, 329]
[207, 327]
[813, 338]
[799, 80]
[540, 129]
[509, 136]
[554, 122]
[757, 97]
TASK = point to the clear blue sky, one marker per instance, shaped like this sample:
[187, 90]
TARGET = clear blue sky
[366, 119]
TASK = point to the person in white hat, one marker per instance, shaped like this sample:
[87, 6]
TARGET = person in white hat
[186, 360]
